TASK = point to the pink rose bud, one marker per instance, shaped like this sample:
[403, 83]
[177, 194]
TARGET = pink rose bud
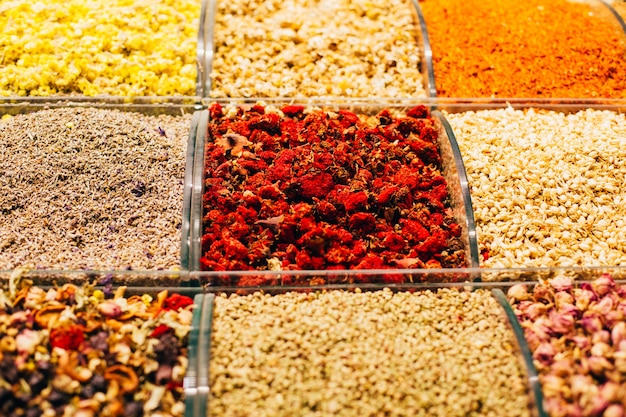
[562, 323]
[618, 334]
[613, 317]
[543, 293]
[555, 406]
[532, 339]
[536, 310]
[561, 298]
[603, 336]
[600, 349]
[619, 360]
[518, 292]
[552, 385]
[582, 342]
[562, 368]
[561, 283]
[567, 308]
[598, 364]
[596, 406]
[614, 410]
[610, 391]
[591, 322]
[541, 328]
[605, 305]
[584, 297]
[573, 410]
[522, 306]
[603, 285]
[544, 353]
[582, 385]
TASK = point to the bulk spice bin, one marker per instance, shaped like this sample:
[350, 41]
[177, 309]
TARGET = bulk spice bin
[245, 204]
[262, 345]
[307, 48]
[91, 345]
[546, 179]
[530, 49]
[96, 185]
[103, 48]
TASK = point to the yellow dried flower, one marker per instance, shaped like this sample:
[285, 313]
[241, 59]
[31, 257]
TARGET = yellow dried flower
[98, 47]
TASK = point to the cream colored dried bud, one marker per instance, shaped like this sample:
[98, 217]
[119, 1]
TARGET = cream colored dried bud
[27, 341]
[598, 365]
[614, 410]
[110, 309]
[518, 292]
[601, 349]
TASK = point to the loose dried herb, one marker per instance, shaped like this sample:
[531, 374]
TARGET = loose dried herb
[87, 188]
[306, 189]
[81, 360]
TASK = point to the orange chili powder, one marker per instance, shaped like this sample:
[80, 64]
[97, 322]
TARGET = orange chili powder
[620, 7]
[533, 48]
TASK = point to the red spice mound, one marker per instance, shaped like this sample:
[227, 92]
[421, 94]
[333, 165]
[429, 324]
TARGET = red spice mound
[318, 190]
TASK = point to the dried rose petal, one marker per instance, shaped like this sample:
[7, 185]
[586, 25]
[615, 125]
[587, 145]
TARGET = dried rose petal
[67, 337]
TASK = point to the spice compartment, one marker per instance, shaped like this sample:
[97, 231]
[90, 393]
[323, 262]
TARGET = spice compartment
[104, 50]
[242, 277]
[94, 346]
[520, 57]
[544, 178]
[345, 49]
[575, 332]
[104, 174]
[256, 307]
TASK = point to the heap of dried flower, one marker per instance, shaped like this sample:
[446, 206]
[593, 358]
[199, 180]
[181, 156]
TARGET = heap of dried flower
[73, 351]
[306, 189]
[578, 340]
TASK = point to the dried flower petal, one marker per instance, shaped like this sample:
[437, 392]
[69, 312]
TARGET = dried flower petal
[67, 337]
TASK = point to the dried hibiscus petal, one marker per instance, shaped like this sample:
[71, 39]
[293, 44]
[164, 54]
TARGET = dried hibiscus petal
[313, 189]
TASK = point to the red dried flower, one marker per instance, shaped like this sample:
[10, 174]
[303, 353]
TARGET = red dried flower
[293, 111]
[67, 337]
[160, 330]
[316, 185]
[322, 190]
[177, 301]
[418, 112]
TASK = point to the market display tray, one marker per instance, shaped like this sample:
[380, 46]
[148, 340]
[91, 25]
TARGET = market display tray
[460, 201]
[421, 36]
[142, 106]
[201, 57]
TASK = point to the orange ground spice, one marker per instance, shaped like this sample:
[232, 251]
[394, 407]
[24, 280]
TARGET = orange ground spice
[620, 7]
[530, 49]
